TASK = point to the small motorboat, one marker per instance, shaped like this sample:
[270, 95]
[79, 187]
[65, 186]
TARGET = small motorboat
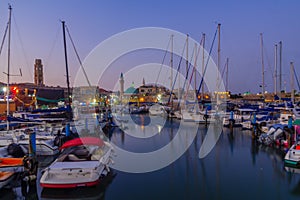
[292, 157]
[83, 162]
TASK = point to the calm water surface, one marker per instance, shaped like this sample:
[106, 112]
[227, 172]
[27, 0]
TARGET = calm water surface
[237, 168]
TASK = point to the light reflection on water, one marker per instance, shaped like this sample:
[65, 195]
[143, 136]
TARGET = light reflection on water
[237, 168]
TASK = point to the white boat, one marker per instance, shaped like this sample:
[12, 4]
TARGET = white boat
[45, 141]
[240, 115]
[82, 164]
[292, 157]
[275, 133]
[157, 109]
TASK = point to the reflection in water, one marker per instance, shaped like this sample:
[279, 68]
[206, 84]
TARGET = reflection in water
[29, 191]
[237, 168]
[7, 194]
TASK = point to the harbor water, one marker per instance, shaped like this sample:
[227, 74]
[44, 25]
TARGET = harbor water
[236, 168]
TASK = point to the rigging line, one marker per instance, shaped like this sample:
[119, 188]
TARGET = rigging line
[163, 61]
[211, 47]
[178, 68]
[195, 63]
[186, 78]
[3, 40]
[53, 45]
[79, 60]
[295, 74]
[268, 61]
[223, 72]
[22, 45]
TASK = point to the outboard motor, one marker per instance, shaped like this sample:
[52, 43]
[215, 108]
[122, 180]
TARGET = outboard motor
[15, 150]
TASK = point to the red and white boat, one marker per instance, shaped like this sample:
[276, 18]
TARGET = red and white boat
[82, 164]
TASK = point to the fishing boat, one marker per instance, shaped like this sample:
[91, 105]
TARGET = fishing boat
[83, 162]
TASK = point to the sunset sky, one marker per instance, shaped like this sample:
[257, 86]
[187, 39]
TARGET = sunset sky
[37, 33]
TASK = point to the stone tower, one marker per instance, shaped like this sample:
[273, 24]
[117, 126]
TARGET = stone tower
[38, 73]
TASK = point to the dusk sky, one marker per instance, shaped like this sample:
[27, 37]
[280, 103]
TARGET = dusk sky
[37, 33]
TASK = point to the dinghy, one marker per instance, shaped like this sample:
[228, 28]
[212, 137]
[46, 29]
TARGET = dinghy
[83, 162]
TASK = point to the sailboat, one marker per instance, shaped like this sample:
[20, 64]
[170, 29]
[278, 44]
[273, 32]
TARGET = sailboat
[8, 165]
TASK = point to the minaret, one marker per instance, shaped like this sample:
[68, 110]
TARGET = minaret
[121, 87]
[144, 82]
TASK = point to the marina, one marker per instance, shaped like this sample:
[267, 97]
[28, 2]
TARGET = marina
[247, 165]
[150, 112]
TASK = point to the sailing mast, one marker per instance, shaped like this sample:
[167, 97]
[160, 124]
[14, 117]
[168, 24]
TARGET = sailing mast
[8, 67]
[275, 71]
[218, 61]
[292, 82]
[227, 62]
[280, 68]
[171, 63]
[187, 64]
[67, 70]
[262, 65]
[203, 65]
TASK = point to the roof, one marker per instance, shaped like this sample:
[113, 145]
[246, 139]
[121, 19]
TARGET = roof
[131, 90]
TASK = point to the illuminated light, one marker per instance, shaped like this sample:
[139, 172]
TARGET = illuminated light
[4, 89]
[206, 97]
[142, 99]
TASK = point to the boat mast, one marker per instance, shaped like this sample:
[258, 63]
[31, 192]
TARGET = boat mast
[203, 56]
[292, 82]
[280, 68]
[8, 67]
[218, 64]
[66, 61]
[187, 62]
[227, 62]
[171, 63]
[262, 65]
[275, 71]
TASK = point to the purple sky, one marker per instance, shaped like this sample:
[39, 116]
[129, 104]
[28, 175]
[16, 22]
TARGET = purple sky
[36, 33]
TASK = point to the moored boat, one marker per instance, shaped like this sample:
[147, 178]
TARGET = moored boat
[82, 164]
[292, 157]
